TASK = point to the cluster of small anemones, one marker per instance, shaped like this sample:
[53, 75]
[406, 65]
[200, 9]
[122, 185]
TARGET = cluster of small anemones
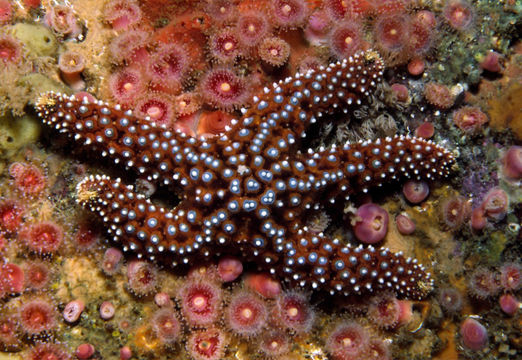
[397, 32]
[156, 77]
[246, 27]
[149, 76]
[214, 309]
[250, 34]
[21, 53]
[485, 283]
[493, 208]
[457, 210]
[25, 218]
[206, 314]
[348, 339]
[31, 242]
[153, 71]
[28, 310]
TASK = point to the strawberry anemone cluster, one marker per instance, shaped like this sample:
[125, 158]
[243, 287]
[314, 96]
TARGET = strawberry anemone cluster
[168, 82]
[32, 238]
[219, 52]
[215, 309]
[397, 32]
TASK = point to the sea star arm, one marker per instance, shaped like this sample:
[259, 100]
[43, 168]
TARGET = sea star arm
[313, 260]
[305, 258]
[319, 178]
[154, 152]
[281, 114]
[340, 171]
[171, 236]
[142, 227]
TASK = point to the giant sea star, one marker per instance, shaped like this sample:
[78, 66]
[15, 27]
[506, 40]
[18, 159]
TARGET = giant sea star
[249, 191]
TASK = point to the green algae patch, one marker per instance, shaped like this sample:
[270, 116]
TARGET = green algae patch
[17, 132]
[38, 39]
[495, 246]
[38, 84]
[18, 91]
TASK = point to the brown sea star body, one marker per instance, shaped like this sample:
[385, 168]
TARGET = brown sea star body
[249, 191]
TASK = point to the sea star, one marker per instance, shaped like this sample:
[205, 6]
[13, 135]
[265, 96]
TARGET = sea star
[249, 191]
